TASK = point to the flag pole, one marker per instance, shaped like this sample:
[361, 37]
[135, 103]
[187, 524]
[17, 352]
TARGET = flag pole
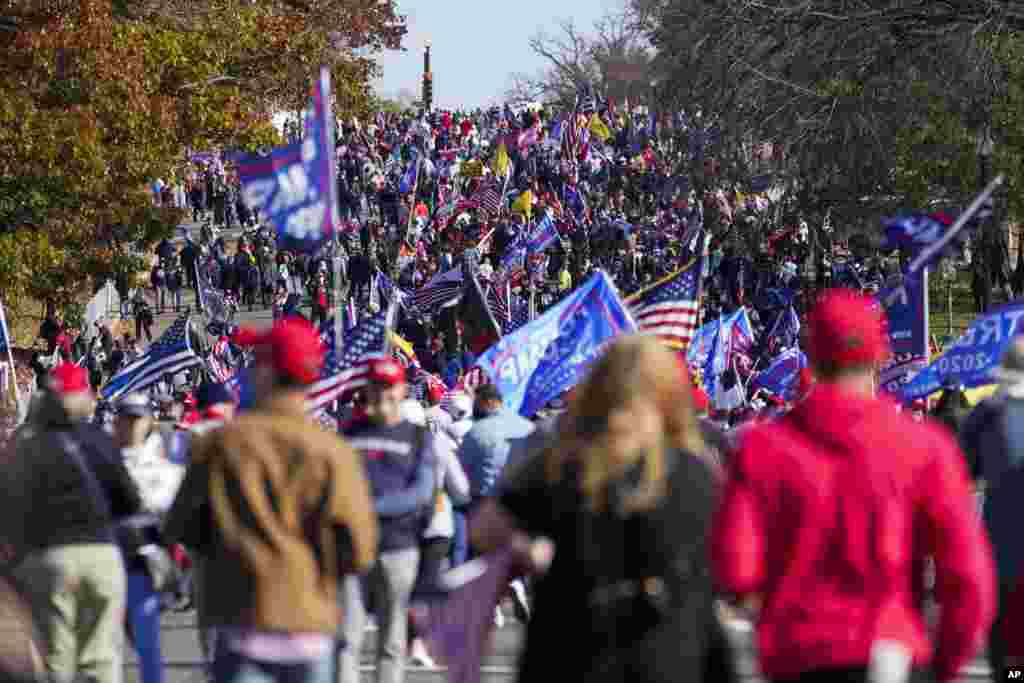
[10, 359]
[337, 300]
[928, 252]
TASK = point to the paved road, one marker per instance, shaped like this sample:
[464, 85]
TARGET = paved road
[181, 655]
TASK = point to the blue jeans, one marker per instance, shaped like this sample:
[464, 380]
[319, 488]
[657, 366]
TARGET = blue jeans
[232, 667]
[143, 611]
[460, 540]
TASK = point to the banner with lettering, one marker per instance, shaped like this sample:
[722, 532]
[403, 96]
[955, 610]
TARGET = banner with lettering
[903, 302]
[550, 354]
[972, 358]
[296, 185]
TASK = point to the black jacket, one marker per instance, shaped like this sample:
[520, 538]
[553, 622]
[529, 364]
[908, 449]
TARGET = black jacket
[49, 499]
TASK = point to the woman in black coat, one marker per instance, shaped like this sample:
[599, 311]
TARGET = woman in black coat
[621, 499]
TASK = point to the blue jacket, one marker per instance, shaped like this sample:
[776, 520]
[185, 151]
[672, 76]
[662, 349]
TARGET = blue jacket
[485, 449]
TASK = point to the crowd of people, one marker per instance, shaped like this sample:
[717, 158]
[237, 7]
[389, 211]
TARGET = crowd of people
[633, 508]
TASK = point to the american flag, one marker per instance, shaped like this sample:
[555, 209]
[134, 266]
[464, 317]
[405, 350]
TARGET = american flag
[488, 198]
[497, 296]
[348, 370]
[668, 308]
[168, 355]
[440, 291]
[473, 378]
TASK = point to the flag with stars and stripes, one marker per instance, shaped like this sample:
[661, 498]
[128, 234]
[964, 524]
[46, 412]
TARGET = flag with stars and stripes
[488, 198]
[669, 307]
[498, 300]
[442, 290]
[168, 355]
[347, 368]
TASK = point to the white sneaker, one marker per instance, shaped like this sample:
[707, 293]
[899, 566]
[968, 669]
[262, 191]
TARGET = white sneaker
[418, 655]
[499, 618]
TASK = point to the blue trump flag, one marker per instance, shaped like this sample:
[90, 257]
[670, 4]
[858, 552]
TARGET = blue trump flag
[550, 355]
[972, 358]
[702, 344]
[781, 375]
[296, 185]
[903, 302]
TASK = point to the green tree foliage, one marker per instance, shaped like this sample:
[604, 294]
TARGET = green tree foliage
[99, 98]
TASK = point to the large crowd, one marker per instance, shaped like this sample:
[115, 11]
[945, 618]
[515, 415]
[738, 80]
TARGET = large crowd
[635, 512]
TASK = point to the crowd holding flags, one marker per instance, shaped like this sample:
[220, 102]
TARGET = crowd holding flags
[168, 355]
[670, 308]
[346, 364]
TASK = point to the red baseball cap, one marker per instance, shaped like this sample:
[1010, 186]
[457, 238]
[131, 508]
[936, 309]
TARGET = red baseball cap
[292, 347]
[68, 378]
[847, 329]
[435, 390]
[387, 372]
[700, 399]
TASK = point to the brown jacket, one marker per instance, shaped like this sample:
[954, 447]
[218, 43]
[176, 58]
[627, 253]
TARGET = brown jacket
[279, 511]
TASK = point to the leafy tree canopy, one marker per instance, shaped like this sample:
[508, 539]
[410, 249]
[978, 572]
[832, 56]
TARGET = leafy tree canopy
[99, 98]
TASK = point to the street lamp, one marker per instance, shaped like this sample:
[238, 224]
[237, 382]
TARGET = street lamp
[986, 147]
[988, 237]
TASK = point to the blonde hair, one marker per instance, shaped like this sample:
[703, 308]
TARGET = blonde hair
[635, 367]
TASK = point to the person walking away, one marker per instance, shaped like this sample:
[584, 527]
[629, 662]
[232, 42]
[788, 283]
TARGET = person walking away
[175, 283]
[158, 279]
[486, 447]
[993, 438]
[65, 487]
[216, 407]
[451, 487]
[461, 409]
[612, 517]
[320, 304]
[279, 511]
[400, 463]
[829, 513]
[157, 479]
[143, 317]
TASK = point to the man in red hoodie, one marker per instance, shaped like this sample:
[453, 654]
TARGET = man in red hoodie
[829, 513]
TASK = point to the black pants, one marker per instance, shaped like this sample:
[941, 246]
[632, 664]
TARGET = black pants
[996, 638]
[433, 561]
[846, 676]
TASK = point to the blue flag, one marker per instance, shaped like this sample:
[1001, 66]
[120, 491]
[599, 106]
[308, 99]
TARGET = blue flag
[732, 347]
[408, 181]
[4, 335]
[542, 235]
[168, 355]
[903, 302]
[781, 375]
[550, 355]
[972, 358]
[296, 185]
[698, 353]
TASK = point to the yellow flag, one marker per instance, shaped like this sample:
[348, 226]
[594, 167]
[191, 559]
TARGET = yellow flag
[501, 161]
[401, 345]
[524, 204]
[599, 128]
[474, 168]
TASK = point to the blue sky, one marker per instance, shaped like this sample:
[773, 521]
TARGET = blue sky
[476, 45]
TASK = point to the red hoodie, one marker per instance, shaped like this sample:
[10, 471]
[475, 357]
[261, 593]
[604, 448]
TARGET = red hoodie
[828, 514]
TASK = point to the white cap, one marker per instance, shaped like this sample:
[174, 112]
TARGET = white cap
[413, 412]
[461, 405]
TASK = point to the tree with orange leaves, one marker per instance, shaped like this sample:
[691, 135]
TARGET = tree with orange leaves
[99, 98]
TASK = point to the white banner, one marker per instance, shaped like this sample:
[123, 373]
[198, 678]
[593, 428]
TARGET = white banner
[106, 305]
